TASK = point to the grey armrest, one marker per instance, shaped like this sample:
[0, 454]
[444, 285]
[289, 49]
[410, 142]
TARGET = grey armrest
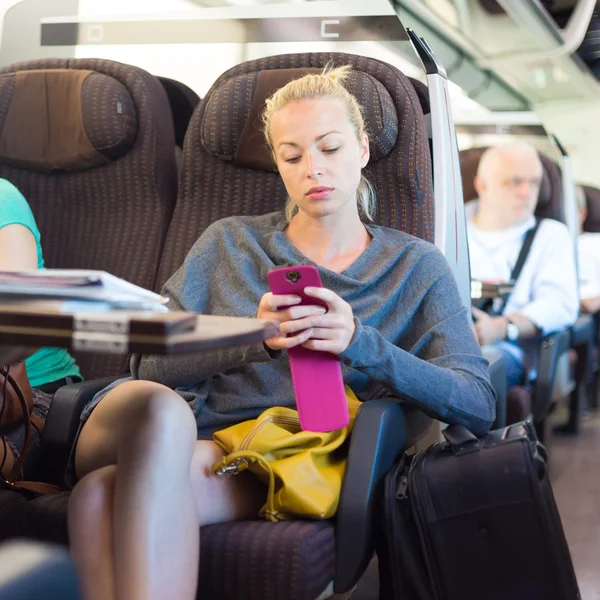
[552, 346]
[497, 373]
[383, 429]
[33, 571]
[583, 331]
[583, 339]
[62, 424]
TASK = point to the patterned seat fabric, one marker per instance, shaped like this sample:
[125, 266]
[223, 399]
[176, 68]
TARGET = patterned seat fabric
[252, 560]
[104, 199]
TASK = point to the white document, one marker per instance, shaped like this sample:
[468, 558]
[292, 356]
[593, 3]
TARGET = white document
[96, 287]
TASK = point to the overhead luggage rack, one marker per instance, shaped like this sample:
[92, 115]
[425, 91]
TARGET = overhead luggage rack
[519, 41]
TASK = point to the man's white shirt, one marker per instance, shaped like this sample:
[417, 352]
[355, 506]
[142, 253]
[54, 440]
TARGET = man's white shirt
[546, 290]
[589, 265]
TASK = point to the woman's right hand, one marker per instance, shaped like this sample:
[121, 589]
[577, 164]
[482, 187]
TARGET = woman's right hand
[295, 321]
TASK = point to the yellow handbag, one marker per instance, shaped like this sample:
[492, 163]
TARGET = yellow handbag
[303, 469]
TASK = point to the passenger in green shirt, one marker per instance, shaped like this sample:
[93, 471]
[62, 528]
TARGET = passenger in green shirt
[20, 248]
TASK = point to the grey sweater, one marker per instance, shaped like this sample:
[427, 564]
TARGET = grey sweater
[413, 339]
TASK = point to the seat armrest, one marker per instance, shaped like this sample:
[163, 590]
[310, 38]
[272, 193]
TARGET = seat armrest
[552, 346]
[583, 331]
[62, 424]
[497, 373]
[583, 340]
[383, 429]
[30, 570]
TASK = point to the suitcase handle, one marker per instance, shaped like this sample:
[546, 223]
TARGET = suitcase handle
[461, 440]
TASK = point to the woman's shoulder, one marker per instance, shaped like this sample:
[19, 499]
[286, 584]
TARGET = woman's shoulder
[10, 196]
[14, 208]
[410, 254]
[413, 245]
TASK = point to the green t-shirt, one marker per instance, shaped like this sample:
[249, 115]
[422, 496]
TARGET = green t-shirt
[47, 364]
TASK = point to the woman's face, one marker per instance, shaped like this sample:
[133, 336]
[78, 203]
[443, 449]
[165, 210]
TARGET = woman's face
[318, 155]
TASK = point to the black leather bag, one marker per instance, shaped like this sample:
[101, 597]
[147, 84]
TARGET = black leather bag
[474, 518]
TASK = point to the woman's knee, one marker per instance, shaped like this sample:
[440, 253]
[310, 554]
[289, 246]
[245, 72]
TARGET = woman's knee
[141, 413]
[156, 408]
[135, 406]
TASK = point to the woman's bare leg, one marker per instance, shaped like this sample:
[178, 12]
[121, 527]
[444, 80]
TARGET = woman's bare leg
[136, 521]
[146, 487]
[223, 499]
[90, 519]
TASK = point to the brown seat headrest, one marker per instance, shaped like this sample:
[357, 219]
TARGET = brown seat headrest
[242, 99]
[64, 119]
[549, 204]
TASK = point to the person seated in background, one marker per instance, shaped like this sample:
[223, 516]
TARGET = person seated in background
[589, 260]
[142, 460]
[47, 368]
[545, 297]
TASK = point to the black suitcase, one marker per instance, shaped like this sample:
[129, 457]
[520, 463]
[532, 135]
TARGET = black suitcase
[474, 519]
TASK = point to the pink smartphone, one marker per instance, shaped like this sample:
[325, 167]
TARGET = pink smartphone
[317, 376]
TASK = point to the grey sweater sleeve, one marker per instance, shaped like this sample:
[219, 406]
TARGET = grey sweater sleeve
[443, 372]
[188, 290]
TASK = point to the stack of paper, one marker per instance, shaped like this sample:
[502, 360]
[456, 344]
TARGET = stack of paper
[79, 290]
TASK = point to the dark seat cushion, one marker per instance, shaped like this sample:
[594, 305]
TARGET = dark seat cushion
[112, 214]
[257, 560]
[592, 221]
[292, 559]
[183, 100]
[518, 404]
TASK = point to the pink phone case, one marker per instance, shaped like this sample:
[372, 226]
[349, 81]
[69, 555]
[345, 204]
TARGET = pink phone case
[317, 376]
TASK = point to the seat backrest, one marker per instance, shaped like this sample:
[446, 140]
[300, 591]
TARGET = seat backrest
[592, 198]
[90, 144]
[227, 169]
[549, 204]
[182, 100]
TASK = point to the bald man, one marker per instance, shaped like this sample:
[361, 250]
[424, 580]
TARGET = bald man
[545, 297]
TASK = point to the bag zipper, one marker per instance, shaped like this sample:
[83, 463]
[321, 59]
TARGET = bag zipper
[277, 419]
[396, 558]
[400, 520]
[422, 505]
[393, 525]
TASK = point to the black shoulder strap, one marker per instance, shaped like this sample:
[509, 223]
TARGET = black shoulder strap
[523, 253]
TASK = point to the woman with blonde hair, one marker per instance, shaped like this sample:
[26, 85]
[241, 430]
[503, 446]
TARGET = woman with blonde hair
[143, 454]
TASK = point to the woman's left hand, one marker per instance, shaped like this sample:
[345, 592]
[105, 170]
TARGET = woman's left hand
[332, 331]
